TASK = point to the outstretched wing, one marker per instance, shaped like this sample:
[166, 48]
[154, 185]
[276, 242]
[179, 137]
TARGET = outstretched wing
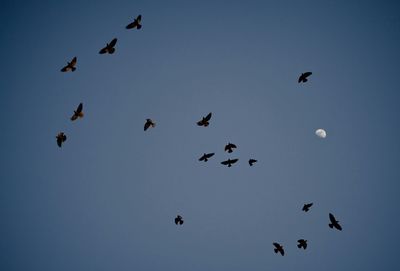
[139, 18]
[200, 123]
[337, 226]
[113, 42]
[202, 158]
[79, 109]
[208, 155]
[59, 141]
[131, 25]
[208, 117]
[103, 50]
[225, 162]
[307, 74]
[147, 125]
[234, 161]
[73, 61]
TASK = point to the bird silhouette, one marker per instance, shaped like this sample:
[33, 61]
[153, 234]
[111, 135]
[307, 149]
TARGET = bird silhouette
[302, 243]
[303, 77]
[278, 248]
[206, 156]
[252, 161]
[136, 23]
[229, 147]
[205, 120]
[61, 137]
[109, 47]
[334, 222]
[149, 123]
[70, 66]
[178, 220]
[307, 206]
[229, 162]
[78, 112]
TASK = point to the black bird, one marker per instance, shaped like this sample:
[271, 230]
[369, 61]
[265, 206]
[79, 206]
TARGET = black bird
[229, 162]
[109, 47]
[303, 77]
[136, 23]
[61, 137]
[205, 120]
[78, 112]
[278, 248]
[149, 123]
[206, 156]
[178, 220]
[334, 222]
[252, 161]
[229, 147]
[306, 207]
[302, 243]
[70, 66]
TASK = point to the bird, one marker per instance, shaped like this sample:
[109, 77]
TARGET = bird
[303, 77]
[109, 47]
[178, 220]
[229, 147]
[278, 248]
[136, 23]
[302, 243]
[77, 113]
[229, 162]
[70, 66]
[205, 120]
[61, 137]
[206, 156]
[307, 206]
[252, 161]
[334, 222]
[149, 123]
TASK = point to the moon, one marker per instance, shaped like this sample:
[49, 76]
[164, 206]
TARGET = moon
[321, 133]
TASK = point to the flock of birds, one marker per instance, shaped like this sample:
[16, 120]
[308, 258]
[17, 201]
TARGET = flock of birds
[205, 122]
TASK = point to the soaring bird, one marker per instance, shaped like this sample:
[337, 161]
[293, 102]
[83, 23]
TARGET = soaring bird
[306, 207]
[70, 66]
[78, 112]
[206, 156]
[178, 220]
[334, 222]
[229, 162]
[229, 147]
[109, 47]
[252, 161]
[302, 243]
[136, 23]
[278, 248]
[149, 123]
[61, 137]
[205, 120]
[303, 77]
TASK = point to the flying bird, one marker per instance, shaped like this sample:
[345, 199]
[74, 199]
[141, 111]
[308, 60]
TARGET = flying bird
[278, 248]
[334, 222]
[149, 123]
[252, 161]
[109, 47]
[178, 220]
[136, 23]
[205, 120]
[307, 206]
[303, 77]
[61, 137]
[206, 156]
[229, 162]
[229, 147]
[70, 66]
[302, 243]
[78, 112]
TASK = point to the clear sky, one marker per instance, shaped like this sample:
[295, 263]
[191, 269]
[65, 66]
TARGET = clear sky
[107, 199]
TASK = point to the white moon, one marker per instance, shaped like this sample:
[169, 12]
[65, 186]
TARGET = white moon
[321, 133]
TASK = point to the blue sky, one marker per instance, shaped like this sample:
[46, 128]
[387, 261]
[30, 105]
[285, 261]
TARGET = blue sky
[107, 199]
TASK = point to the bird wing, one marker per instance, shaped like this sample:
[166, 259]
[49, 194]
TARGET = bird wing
[139, 18]
[79, 109]
[59, 141]
[112, 43]
[282, 252]
[131, 25]
[208, 155]
[227, 147]
[234, 161]
[200, 123]
[202, 158]
[337, 226]
[332, 218]
[208, 117]
[64, 69]
[73, 61]
[233, 145]
[225, 162]
[307, 74]
[147, 125]
[103, 50]
[301, 78]
[74, 117]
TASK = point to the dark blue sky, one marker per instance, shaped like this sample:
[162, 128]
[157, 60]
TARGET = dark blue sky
[107, 199]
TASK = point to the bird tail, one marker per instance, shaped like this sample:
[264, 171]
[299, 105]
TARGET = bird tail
[139, 26]
[230, 150]
[73, 69]
[331, 225]
[229, 165]
[205, 159]
[299, 246]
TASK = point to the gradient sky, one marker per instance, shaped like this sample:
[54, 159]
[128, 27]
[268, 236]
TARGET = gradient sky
[107, 199]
